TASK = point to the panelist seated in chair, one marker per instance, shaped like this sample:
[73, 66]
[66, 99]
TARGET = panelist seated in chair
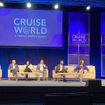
[41, 68]
[60, 68]
[80, 69]
[28, 68]
[14, 68]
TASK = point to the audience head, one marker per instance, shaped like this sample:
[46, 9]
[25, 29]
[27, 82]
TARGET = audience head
[27, 62]
[61, 62]
[82, 62]
[41, 61]
[13, 61]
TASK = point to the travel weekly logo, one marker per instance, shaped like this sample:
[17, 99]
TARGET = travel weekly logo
[31, 26]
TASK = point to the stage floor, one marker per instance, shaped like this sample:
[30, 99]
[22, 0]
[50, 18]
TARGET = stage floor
[40, 83]
[43, 83]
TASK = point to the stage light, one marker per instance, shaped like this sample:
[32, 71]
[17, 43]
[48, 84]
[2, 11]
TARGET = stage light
[29, 5]
[88, 7]
[56, 6]
[1, 4]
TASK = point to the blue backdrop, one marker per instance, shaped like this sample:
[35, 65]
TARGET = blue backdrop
[52, 56]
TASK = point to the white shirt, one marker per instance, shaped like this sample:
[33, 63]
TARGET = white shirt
[61, 67]
[41, 67]
[13, 66]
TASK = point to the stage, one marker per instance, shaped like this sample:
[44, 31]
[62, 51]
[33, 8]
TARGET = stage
[40, 83]
[32, 91]
[51, 83]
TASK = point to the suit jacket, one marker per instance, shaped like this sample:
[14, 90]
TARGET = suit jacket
[44, 68]
[57, 70]
[11, 67]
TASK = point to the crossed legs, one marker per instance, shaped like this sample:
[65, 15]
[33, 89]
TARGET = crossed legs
[14, 73]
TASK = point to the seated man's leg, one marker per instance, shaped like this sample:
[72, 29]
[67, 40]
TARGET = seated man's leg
[11, 71]
[64, 78]
[44, 75]
[38, 76]
[15, 74]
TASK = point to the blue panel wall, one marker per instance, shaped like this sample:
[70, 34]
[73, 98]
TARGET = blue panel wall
[102, 44]
[79, 38]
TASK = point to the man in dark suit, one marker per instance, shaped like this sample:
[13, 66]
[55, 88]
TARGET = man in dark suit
[14, 68]
[60, 68]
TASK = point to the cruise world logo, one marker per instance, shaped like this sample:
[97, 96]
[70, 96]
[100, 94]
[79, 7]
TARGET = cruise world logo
[31, 26]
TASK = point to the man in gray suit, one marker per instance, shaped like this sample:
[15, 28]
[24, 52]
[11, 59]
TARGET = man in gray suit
[14, 68]
[41, 68]
[60, 68]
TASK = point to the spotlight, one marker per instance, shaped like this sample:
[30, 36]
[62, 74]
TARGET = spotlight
[56, 6]
[1, 4]
[88, 7]
[29, 5]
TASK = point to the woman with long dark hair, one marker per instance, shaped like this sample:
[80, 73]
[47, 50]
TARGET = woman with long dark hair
[28, 68]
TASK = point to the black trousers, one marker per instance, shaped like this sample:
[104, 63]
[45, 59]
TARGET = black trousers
[27, 70]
